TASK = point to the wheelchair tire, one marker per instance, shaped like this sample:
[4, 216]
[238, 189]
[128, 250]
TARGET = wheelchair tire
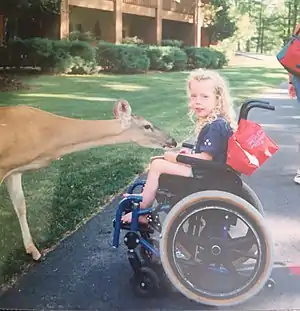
[238, 205]
[252, 198]
[145, 284]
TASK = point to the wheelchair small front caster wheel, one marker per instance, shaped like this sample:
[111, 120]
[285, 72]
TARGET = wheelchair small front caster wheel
[145, 283]
[270, 283]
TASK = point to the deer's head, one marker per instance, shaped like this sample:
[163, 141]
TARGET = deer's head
[141, 131]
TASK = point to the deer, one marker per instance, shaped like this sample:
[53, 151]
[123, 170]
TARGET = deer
[32, 138]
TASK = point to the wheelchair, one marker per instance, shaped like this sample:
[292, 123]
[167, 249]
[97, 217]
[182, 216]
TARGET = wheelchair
[206, 236]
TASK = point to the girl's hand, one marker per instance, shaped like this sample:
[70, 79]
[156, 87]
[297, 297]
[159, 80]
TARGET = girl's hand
[185, 150]
[292, 91]
[170, 156]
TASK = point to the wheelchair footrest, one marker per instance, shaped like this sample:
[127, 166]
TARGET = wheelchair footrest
[141, 228]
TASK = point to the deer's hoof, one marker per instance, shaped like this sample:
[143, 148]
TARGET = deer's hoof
[36, 255]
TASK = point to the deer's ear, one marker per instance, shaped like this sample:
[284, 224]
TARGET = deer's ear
[122, 109]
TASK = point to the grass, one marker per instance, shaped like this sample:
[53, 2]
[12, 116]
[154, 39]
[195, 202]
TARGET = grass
[61, 196]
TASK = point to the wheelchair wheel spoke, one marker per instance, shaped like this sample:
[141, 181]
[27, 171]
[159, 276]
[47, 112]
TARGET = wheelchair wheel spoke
[231, 269]
[245, 254]
[190, 242]
[191, 263]
[241, 242]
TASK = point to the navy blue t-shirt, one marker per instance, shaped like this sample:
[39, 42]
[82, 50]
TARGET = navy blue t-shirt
[213, 139]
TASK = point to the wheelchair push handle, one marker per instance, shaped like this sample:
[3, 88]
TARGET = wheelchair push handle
[250, 104]
[244, 111]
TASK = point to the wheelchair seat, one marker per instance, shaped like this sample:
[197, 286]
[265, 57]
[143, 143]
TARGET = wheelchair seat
[207, 175]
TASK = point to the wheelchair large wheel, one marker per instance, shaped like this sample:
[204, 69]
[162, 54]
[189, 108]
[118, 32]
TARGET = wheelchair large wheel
[252, 198]
[198, 249]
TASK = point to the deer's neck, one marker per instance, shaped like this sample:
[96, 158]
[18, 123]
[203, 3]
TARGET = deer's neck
[76, 135]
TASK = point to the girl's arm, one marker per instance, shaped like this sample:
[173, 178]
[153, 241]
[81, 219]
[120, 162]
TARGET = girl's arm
[297, 29]
[201, 155]
[209, 145]
[290, 79]
[172, 156]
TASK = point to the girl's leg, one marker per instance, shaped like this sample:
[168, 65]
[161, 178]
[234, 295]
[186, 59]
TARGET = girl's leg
[297, 176]
[296, 83]
[157, 168]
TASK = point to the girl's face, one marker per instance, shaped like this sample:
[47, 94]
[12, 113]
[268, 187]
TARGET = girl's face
[202, 97]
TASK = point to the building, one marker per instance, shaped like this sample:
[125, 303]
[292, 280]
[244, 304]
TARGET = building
[149, 20]
[112, 20]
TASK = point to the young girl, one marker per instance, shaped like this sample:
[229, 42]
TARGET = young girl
[209, 101]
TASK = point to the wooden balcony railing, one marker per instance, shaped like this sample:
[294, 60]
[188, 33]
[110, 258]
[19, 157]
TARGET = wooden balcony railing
[180, 6]
[145, 3]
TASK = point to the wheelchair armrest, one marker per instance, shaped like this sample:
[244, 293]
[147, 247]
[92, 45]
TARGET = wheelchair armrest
[201, 164]
[187, 145]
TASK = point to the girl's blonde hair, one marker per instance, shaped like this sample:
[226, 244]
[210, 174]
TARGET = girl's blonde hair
[223, 107]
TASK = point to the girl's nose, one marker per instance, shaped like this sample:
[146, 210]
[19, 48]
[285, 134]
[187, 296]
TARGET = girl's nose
[197, 103]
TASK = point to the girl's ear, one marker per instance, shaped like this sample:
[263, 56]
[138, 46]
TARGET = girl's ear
[220, 98]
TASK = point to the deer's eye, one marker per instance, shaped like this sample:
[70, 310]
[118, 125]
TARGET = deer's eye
[147, 127]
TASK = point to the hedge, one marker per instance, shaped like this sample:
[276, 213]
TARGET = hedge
[58, 56]
[82, 57]
[122, 58]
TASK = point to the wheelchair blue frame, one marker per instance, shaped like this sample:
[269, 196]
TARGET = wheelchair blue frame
[134, 200]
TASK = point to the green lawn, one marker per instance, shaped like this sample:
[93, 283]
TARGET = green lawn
[60, 197]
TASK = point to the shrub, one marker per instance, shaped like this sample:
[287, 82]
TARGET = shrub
[132, 40]
[66, 56]
[174, 43]
[204, 58]
[166, 58]
[160, 58]
[59, 56]
[122, 58]
[180, 59]
[15, 54]
[87, 36]
[219, 59]
[82, 57]
[197, 57]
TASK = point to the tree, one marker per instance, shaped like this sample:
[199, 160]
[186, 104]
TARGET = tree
[25, 18]
[218, 21]
[24, 7]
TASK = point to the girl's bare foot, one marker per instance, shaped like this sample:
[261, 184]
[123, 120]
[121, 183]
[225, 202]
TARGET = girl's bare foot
[127, 218]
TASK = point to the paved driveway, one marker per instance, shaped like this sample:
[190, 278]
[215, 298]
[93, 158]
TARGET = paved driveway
[84, 272]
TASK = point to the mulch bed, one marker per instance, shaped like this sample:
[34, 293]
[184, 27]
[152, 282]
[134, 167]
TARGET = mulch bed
[11, 83]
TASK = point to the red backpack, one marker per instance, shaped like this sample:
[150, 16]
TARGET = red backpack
[289, 56]
[249, 147]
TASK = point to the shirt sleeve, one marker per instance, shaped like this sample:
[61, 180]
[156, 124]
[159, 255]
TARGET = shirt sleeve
[212, 141]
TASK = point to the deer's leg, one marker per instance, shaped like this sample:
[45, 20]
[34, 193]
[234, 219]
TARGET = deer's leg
[15, 190]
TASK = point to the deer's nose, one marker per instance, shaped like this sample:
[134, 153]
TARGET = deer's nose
[172, 142]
